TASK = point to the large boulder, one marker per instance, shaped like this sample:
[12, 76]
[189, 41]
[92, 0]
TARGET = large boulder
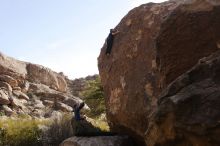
[189, 109]
[98, 141]
[39, 74]
[156, 44]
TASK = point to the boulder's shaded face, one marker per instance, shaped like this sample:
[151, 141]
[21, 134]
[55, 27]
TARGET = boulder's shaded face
[156, 44]
[189, 109]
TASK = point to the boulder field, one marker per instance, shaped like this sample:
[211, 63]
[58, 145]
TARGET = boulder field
[157, 43]
[33, 90]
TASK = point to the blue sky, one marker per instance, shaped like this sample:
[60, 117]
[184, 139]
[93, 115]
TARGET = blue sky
[64, 35]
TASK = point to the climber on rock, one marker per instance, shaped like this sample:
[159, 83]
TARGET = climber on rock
[110, 39]
[77, 111]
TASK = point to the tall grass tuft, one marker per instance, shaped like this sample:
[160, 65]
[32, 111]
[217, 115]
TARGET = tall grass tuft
[58, 130]
[20, 132]
[24, 131]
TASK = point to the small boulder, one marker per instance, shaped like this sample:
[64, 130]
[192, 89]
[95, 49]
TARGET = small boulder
[72, 101]
[51, 96]
[6, 86]
[48, 103]
[63, 107]
[25, 87]
[17, 88]
[8, 111]
[4, 99]
[38, 104]
[20, 95]
[10, 80]
[16, 103]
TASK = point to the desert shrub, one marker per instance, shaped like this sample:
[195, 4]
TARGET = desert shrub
[57, 131]
[94, 97]
[23, 131]
[101, 123]
[19, 132]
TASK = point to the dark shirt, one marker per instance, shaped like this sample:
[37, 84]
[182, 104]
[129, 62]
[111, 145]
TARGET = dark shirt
[77, 114]
[77, 111]
[110, 37]
[109, 43]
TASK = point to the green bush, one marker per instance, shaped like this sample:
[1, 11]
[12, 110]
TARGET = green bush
[24, 131]
[19, 132]
[94, 98]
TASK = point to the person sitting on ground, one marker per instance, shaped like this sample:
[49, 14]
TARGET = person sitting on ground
[77, 111]
[110, 39]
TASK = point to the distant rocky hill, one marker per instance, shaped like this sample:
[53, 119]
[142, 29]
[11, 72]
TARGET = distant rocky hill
[78, 85]
[35, 90]
[157, 43]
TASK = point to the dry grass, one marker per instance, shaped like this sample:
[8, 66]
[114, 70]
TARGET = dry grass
[57, 131]
[20, 132]
[24, 131]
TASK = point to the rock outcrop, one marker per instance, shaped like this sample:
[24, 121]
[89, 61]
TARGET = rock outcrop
[98, 141]
[78, 85]
[40, 74]
[189, 109]
[31, 89]
[156, 44]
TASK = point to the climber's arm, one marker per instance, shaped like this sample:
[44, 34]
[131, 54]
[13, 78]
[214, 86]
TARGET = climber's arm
[116, 32]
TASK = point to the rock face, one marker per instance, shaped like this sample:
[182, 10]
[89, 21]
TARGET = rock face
[156, 44]
[32, 89]
[98, 141]
[40, 74]
[189, 109]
